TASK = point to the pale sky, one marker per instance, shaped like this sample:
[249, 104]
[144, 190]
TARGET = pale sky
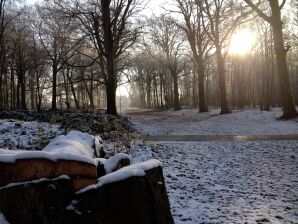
[152, 6]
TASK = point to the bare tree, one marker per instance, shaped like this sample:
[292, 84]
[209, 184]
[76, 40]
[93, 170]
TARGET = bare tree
[56, 34]
[275, 21]
[6, 18]
[223, 16]
[168, 37]
[80, 51]
[198, 42]
[144, 71]
[108, 26]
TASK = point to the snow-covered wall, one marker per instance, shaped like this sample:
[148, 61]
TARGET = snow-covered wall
[75, 142]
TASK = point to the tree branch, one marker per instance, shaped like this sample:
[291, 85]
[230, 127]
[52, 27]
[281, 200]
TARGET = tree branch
[258, 11]
[282, 4]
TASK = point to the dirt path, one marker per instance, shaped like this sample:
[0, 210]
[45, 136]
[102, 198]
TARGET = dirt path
[238, 138]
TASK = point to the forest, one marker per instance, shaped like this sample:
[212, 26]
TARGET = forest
[148, 111]
[73, 55]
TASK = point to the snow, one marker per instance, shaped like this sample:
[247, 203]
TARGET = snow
[26, 135]
[190, 122]
[210, 181]
[3, 219]
[11, 152]
[137, 169]
[72, 207]
[119, 175]
[33, 182]
[111, 163]
[141, 152]
[146, 165]
[12, 157]
[99, 161]
[75, 142]
[230, 181]
[75, 146]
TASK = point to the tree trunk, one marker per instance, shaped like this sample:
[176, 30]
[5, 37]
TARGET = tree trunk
[222, 85]
[202, 104]
[73, 91]
[23, 91]
[92, 92]
[38, 94]
[54, 88]
[111, 83]
[1, 97]
[32, 92]
[66, 90]
[161, 91]
[142, 97]
[111, 98]
[12, 88]
[194, 87]
[176, 92]
[156, 91]
[21, 81]
[289, 110]
[148, 93]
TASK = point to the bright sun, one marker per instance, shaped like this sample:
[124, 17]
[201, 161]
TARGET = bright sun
[242, 42]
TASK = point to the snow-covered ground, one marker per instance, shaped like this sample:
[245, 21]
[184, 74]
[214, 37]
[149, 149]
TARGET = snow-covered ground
[2, 219]
[231, 182]
[34, 135]
[208, 182]
[225, 182]
[190, 122]
[26, 135]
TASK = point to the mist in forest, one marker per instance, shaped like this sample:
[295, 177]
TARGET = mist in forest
[82, 55]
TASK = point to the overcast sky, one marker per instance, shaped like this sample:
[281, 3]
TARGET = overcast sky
[152, 7]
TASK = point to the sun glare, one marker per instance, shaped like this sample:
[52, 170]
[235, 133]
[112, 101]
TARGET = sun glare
[242, 42]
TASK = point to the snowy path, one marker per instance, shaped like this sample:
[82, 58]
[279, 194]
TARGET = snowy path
[190, 122]
[226, 181]
[238, 138]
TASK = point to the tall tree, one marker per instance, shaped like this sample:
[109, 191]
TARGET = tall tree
[4, 21]
[56, 34]
[168, 37]
[223, 17]
[108, 26]
[275, 21]
[198, 42]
